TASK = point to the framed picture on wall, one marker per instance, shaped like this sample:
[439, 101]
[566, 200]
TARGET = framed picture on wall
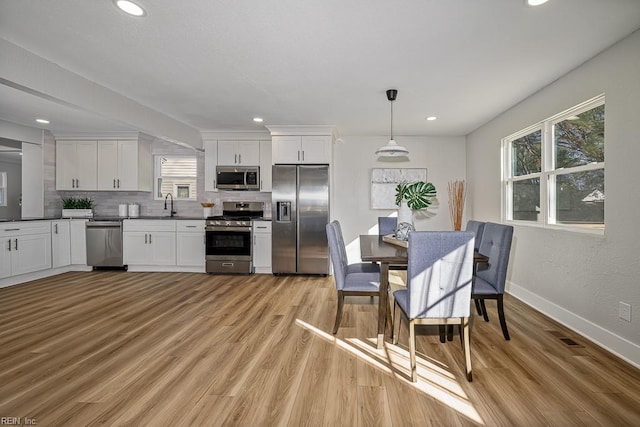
[384, 182]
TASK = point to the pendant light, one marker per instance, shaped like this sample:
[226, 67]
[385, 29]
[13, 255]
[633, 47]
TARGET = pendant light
[392, 149]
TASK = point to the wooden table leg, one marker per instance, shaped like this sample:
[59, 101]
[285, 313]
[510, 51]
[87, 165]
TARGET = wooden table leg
[383, 302]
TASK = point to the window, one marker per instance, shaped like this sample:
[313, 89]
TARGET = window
[554, 171]
[176, 175]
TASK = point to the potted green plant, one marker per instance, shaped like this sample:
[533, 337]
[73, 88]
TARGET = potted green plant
[413, 196]
[77, 207]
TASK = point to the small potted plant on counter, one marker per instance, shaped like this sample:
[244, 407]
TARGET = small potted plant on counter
[77, 207]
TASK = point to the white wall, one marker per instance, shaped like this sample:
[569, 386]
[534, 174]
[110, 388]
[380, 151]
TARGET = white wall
[578, 279]
[353, 159]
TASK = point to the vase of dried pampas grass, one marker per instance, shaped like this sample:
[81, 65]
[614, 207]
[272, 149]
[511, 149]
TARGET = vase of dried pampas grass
[457, 192]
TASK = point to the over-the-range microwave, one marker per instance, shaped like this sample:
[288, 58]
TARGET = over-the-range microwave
[238, 178]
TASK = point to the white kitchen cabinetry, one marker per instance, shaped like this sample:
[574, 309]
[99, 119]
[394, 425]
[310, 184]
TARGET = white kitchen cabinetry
[190, 243]
[60, 243]
[76, 163]
[124, 166]
[262, 246]
[292, 149]
[265, 166]
[26, 247]
[239, 153]
[78, 237]
[149, 242]
[210, 163]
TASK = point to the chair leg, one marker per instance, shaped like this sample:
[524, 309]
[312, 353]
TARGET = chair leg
[395, 330]
[478, 308]
[412, 350]
[449, 332]
[467, 347]
[485, 315]
[338, 312]
[442, 330]
[503, 321]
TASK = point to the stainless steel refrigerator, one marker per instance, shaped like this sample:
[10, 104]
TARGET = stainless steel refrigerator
[300, 213]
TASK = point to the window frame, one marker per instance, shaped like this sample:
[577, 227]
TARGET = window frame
[548, 174]
[157, 166]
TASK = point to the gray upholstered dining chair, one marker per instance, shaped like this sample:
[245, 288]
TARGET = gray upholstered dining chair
[387, 225]
[477, 227]
[489, 279]
[351, 279]
[439, 275]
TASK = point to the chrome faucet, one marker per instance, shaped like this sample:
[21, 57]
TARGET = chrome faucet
[173, 212]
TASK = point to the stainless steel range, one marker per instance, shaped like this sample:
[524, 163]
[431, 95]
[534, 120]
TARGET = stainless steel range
[229, 239]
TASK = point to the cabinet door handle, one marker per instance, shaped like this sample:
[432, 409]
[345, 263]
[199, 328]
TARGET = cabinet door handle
[239, 158]
[303, 155]
[114, 183]
[9, 245]
[298, 155]
[149, 238]
[55, 226]
[16, 246]
[235, 158]
[118, 182]
[77, 183]
[145, 238]
[261, 226]
[190, 226]
[254, 240]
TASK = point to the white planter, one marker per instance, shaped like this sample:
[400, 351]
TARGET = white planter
[77, 213]
[405, 214]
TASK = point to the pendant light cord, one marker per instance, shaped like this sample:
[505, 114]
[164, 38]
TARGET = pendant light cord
[391, 119]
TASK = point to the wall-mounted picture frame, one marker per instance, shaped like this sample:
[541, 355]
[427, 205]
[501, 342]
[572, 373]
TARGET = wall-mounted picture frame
[384, 182]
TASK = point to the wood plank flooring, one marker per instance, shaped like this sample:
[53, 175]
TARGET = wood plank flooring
[178, 349]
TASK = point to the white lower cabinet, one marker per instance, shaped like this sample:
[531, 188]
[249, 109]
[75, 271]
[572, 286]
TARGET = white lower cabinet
[149, 242]
[262, 246]
[26, 247]
[60, 243]
[78, 235]
[190, 243]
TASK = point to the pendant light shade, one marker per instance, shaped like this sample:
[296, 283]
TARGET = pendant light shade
[392, 149]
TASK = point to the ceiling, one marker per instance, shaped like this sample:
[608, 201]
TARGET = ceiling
[214, 65]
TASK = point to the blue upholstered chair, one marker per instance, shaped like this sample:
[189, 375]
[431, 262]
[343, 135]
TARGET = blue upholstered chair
[489, 279]
[439, 277]
[351, 279]
[477, 227]
[387, 225]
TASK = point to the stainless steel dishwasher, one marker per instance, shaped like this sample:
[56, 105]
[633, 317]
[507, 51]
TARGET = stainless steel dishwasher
[104, 243]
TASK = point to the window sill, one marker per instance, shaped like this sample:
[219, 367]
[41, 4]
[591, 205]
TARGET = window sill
[588, 230]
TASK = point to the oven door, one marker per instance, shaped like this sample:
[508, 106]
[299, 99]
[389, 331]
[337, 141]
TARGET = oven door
[228, 243]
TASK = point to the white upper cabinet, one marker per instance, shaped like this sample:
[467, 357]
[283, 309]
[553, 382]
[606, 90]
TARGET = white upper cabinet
[210, 163]
[239, 153]
[76, 163]
[293, 149]
[265, 166]
[124, 166]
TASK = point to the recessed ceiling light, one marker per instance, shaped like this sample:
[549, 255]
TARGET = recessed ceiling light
[43, 121]
[258, 119]
[536, 2]
[431, 118]
[130, 7]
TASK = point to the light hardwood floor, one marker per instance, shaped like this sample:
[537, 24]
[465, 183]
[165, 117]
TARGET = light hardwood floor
[117, 348]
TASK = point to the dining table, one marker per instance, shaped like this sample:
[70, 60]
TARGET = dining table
[374, 249]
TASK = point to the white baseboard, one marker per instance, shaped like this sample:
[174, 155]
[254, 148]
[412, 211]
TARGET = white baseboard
[611, 342]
